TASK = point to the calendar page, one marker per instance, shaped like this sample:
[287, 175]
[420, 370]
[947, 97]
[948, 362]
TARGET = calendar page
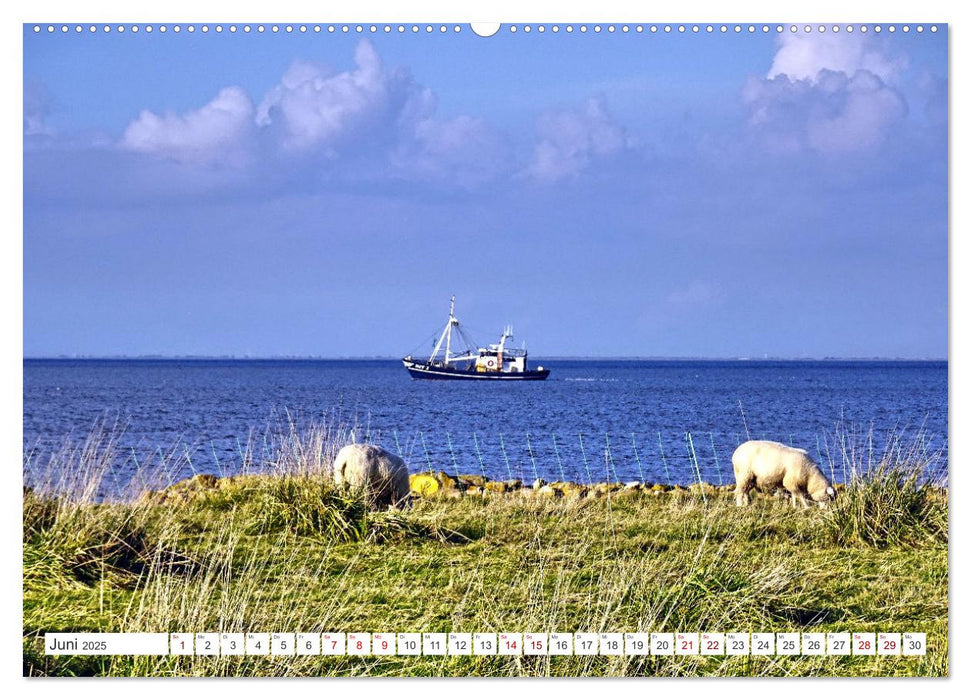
[513, 349]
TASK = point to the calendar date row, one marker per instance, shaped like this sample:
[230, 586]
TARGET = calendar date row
[490, 643]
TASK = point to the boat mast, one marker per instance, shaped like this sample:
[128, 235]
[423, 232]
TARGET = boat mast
[452, 321]
[446, 336]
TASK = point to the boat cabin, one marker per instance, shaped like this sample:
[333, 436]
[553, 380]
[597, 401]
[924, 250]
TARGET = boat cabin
[494, 359]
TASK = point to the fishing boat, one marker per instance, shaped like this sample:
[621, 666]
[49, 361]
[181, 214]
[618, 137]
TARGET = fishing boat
[496, 362]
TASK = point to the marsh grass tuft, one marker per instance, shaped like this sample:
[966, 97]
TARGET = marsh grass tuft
[898, 500]
[82, 542]
[309, 506]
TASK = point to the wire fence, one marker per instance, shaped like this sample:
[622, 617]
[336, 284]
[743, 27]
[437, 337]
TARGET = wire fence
[662, 456]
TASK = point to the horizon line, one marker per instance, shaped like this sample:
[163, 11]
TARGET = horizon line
[629, 358]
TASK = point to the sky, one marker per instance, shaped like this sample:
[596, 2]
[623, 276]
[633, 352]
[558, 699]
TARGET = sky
[639, 194]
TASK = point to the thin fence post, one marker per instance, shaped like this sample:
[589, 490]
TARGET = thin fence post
[424, 447]
[694, 457]
[188, 459]
[718, 470]
[455, 464]
[502, 446]
[607, 461]
[586, 466]
[637, 459]
[664, 460]
[748, 436]
[610, 459]
[138, 469]
[529, 449]
[478, 454]
[559, 463]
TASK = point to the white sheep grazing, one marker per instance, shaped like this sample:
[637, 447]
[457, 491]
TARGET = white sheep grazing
[381, 475]
[769, 465]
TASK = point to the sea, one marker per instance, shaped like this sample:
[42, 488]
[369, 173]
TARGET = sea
[671, 421]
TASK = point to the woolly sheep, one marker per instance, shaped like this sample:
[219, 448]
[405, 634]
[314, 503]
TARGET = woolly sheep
[769, 465]
[381, 475]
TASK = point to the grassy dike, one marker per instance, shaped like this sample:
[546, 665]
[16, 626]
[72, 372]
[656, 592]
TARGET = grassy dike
[287, 552]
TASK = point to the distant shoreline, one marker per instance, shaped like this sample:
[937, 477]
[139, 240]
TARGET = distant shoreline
[385, 358]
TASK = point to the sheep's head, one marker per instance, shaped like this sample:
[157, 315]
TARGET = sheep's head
[827, 497]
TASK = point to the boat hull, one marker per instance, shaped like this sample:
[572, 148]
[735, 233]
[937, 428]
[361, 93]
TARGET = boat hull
[422, 370]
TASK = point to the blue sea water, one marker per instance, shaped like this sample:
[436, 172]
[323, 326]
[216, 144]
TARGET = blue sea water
[673, 421]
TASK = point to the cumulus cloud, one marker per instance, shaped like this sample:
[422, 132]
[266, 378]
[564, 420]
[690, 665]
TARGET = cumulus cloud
[863, 111]
[570, 141]
[218, 133]
[376, 119]
[313, 108]
[834, 114]
[801, 56]
[828, 93]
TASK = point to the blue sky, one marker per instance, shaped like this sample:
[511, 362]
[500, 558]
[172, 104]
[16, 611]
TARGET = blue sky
[616, 195]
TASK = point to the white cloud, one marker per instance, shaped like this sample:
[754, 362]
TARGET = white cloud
[835, 114]
[217, 133]
[377, 120]
[801, 56]
[314, 109]
[570, 141]
[865, 111]
[828, 93]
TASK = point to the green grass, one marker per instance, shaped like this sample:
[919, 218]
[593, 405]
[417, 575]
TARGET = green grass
[287, 552]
